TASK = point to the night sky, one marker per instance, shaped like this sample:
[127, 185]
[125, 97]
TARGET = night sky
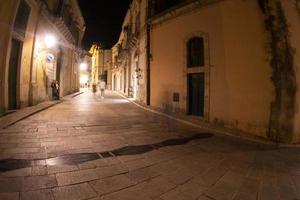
[103, 19]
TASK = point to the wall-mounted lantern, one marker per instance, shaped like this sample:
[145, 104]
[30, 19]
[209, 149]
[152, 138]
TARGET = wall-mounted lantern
[83, 66]
[50, 41]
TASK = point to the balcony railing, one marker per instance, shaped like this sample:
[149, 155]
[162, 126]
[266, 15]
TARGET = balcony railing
[62, 18]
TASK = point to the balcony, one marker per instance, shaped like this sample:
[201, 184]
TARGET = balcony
[61, 17]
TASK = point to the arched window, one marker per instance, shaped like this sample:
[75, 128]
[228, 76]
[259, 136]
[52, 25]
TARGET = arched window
[195, 52]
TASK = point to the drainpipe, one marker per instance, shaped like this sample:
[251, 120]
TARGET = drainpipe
[148, 52]
[30, 98]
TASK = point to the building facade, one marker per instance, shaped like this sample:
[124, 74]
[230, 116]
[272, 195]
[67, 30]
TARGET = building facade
[231, 63]
[94, 52]
[129, 54]
[101, 64]
[40, 43]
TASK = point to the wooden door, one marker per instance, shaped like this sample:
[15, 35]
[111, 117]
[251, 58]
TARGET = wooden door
[196, 94]
[14, 62]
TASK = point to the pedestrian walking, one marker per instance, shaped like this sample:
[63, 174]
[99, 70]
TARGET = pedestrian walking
[102, 88]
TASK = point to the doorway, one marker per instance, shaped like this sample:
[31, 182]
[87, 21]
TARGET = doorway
[196, 94]
[14, 62]
[115, 82]
[58, 65]
[125, 80]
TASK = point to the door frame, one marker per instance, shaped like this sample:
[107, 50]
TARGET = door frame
[18, 77]
[203, 69]
[189, 97]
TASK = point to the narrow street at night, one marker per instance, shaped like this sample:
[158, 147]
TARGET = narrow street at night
[93, 148]
[149, 100]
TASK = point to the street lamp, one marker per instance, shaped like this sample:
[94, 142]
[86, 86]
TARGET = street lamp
[83, 66]
[84, 79]
[50, 41]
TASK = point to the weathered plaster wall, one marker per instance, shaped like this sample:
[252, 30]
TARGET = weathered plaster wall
[247, 69]
[142, 62]
[26, 57]
[292, 14]
[239, 90]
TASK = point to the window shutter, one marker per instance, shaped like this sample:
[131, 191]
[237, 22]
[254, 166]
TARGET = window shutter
[195, 48]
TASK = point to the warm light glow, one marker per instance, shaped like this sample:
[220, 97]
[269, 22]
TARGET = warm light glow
[38, 45]
[50, 41]
[84, 79]
[83, 66]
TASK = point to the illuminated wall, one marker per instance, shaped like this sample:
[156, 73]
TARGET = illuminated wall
[38, 63]
[238, 89]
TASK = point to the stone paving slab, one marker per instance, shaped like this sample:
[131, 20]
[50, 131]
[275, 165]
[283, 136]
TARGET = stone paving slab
[37, 195]
[18, 115]
[14, 117]
[214, 167]
[74, 192]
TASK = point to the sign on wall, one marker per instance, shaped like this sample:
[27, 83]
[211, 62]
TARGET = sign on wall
[49, 57]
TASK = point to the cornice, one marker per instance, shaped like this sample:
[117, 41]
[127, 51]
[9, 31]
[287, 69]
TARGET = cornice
[179, 10]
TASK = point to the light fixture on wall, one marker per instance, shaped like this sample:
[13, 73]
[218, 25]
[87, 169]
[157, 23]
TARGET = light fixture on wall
[83, 66]
[50, 41]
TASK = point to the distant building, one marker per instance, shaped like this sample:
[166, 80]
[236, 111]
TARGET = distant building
[101, 64]
[94, 52]
[129, 54]
[232, 63]
[40, 42]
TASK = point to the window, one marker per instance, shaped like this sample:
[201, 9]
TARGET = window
[22, 18]
[195, 52]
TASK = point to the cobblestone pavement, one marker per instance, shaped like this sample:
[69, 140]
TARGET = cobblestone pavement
[212, 167]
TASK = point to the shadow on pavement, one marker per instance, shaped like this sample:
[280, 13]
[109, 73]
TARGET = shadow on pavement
[12, 164]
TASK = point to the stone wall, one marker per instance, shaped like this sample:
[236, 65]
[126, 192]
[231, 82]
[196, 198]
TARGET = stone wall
[35, 70]
[238, 90]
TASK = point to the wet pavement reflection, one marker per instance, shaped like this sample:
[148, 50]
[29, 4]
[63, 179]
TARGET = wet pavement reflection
[71, 159]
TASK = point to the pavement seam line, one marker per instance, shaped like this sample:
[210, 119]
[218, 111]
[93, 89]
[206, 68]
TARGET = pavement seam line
[135, 184]
[89, 183]
[75, 95]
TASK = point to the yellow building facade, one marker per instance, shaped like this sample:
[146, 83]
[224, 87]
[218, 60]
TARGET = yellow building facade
[237, 81]
[40, 43]
[129, 54]
[94, 52]
[101, 64]
[230, 63]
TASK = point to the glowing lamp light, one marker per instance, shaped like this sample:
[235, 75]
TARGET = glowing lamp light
[50, 41]
[84, 79]
[83, 66]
